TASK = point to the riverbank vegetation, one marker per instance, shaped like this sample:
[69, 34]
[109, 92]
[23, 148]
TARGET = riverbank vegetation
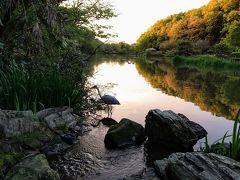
[211, 90]
[44, 50]
[212, 29]
[120, 48]
[208, 62]
[231, 148]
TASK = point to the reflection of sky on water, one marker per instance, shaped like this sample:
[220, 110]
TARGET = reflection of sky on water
[137, 97]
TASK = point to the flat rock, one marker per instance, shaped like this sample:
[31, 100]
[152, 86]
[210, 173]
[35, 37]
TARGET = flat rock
[170, 129]
[125, 133]
[197, 166]
[13, 123]
[57, 117]
[32, 168]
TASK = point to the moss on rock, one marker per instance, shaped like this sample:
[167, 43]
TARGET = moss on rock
[33, 168]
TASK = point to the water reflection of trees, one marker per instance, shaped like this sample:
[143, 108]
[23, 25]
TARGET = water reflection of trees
[114, 59]
[211, 91]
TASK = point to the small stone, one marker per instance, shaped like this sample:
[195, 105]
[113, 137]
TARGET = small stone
[108, 122]
[69, 138]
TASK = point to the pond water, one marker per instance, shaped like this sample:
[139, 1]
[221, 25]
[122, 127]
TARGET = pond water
[138, 92]
[210, 99]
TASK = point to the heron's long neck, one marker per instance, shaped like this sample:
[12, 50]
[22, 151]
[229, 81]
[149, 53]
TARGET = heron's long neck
[99, 93]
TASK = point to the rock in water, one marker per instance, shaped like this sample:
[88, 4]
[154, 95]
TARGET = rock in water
[198, 129]
[197, 166]
[57, 117]
[32, 168]
[169, 129]
[13, 123]
[108, 122]
[126, 132]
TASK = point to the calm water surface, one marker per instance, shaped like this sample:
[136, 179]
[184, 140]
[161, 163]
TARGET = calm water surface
[139, 88]
[137, 97]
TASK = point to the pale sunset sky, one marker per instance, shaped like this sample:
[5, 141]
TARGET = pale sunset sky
[136, 16]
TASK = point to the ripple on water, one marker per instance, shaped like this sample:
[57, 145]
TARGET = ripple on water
[89, 159]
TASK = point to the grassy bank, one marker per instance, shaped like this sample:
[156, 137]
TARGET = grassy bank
[35, 88]
[231, 148]
[208, 62]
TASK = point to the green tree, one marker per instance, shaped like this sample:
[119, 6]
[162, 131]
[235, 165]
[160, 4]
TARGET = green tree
[45, 28]
[233, 36]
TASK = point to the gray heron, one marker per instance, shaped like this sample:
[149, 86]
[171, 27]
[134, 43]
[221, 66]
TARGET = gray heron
[108, 100]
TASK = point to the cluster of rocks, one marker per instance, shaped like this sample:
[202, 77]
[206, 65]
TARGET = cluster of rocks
[28, 140]
[163, 128]
[166, 129]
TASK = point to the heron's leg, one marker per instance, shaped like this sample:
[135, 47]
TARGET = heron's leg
[111, 108]
[108, 110]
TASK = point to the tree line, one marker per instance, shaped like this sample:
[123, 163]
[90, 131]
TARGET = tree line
[214, 27]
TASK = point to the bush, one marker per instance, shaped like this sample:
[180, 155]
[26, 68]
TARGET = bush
[184, 48]
[168, 46]
[170, 53]
[201, 46]
[222, 49]
[181, 47]
[235, 54]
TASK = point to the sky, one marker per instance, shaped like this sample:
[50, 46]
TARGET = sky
[136, 16]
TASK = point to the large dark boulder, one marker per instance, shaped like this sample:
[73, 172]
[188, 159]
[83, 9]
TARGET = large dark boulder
[126, 132]
[169, 129]
[197, 166]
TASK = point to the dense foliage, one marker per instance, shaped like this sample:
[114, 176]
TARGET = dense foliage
[215, 26]
[120, 48]
[49, 29]
[44, 49]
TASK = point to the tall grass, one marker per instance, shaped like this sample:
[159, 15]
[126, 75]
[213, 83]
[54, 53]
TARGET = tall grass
[221, 147]
[207, 62]
[235, 144]
[23, 88]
